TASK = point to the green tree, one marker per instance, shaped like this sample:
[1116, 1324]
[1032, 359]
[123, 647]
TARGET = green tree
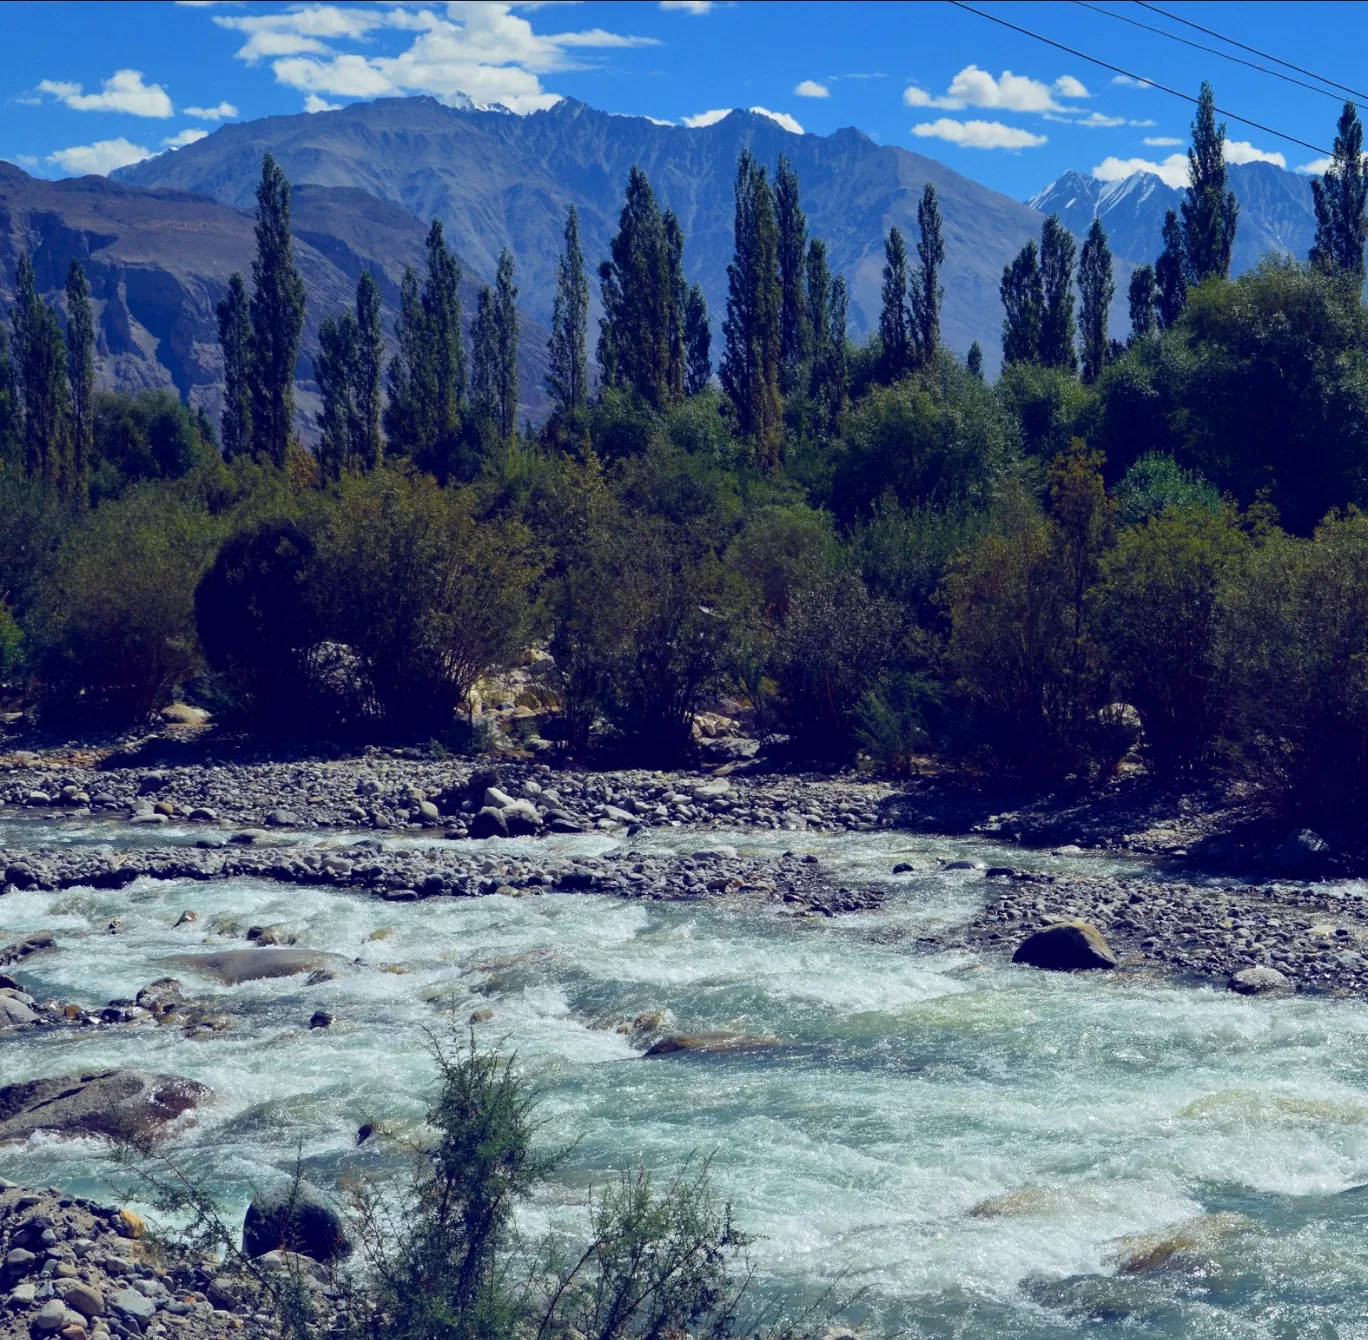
[927, 293]
[795, 331]
[836, 381]
[894, 331]
[369, 445]
[335, 369]
[1023, 298]
[442, 332]
[410, 408]
[1172, 273]
[750, 365]
[817, 278]
[1096, 288]
[505, 313]
[676, 303]
[1339, 198]
[567, 376]
[484, 360]
[1142, 297]
[974, 360]
[235, 335]
[1057, 278]
[41, 366]
[80, 342]
[1210, 211]
[277, 310]
[697, 341]
[10, 408]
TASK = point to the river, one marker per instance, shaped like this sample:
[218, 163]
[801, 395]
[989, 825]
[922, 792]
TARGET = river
[979, 1149]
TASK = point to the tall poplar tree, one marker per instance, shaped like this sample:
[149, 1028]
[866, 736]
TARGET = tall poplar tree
[335, 372]
[818, 279]
[837, 378]
[80, 345]
[795, 330]
[1142, 297]
[235, 335]
[1339, 198]
[676, 296]
[927, 293]
[1209, 211]
[1023, 301]
[41, 375]
[445, 344]
[974, 360]
[697, 341]
[506, 347]
[750, 364]
[1057, 278]
[1096, 288]
[9, 407]
[410, 418]
[484, 361]
[277, 317]
[369, 445]
[567, 376]
[893, 314]
[1171, 272]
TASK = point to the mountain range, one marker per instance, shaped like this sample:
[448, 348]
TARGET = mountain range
[160, 238]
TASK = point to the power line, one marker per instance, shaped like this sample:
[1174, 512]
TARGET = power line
[1211, 32]
[1139, 79]
[1213, 51]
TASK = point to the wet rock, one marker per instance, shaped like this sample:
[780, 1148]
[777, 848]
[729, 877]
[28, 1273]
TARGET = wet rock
[320, 1019]
[521, 818]
[709, 1043]
[14, 1013]
[1259, 981]
[282, 818]
[294, 1217]
[488, 823]
[1066, 946]
[109, 1103]
[32, 944]
[235, 966]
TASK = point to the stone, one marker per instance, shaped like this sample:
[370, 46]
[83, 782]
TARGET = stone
[133, 1304]
[23, 1294]
[14, 1013]
[713, 790]
[496, 799]
[51, 1316]
[294, 1217]
[32, 944]
[150, 782]
[235, 966]
[109, 1103]
[321, 1019]
[521, 818]
[709, 1043]
[1066, 946]
[488, 823]
[617, 815]
[85, 1299]
[202, 814]
[220, 1293]
[429, 812]
[182, 714]
[1259, 981]
[715, 854]
[18, 1260]
[282, 818]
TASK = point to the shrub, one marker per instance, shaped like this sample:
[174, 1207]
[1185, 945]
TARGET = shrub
[150, 435]
[1157, 482]
[1157, 606]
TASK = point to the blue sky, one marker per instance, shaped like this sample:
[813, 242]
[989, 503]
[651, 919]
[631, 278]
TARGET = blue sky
[88, 87]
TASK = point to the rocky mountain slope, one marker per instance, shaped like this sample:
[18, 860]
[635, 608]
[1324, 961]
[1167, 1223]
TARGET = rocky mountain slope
[1275, 211]
[159, 261]
[498, 180]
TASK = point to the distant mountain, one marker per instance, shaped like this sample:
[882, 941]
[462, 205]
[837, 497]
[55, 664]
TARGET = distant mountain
[498, 180]
[1276, 213]
[158, 262]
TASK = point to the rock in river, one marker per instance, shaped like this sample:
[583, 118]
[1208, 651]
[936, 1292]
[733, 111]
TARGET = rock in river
[1067, 946]
[110, 1102]
[233, 966]
[709, 1043]
[294, 1217]
[1258, 981]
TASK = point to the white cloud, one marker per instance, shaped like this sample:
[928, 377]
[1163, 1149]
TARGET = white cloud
[219, 113]
[26, 160]
[1162, 141]
[656, 121]
[313, 103]
[484, 51]
[1094, 120]
[810, 88]
[1241, 151]
[695, 7]
[1173, 171]
[973, 87]
[781, 118]
[978, 134]
[1317, 167]
[100, 158]
[187, 136]
[707, 118]
[1125, 81]
[124, 91]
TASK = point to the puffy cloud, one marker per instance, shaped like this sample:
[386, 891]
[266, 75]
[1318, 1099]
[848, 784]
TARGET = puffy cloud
[1162, 141]
[1241, 151]
[810, 88]
[219, 113]
[26, 160]
[187, 136]
[124, 91]
[707, 118]
[313, 103]
[483, 51]
[696, 7]
[1316, 167]
[781, 118]
[1173, 171]
[1125, 81]
[978, 134]
[1095, 120]
[973, 87]
[99, 158]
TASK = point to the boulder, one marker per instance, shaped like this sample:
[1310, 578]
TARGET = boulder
[182, 714]
[294, 1217]
[709, 1043]
[1259, 981]
[521, 818]
[488, 823]
[85, 1299]
[281, 818]
[234, 966]
[1303, 849]
[496, 799]
[32, 944]
[110, 1103]
[14, 1013]
[1066, 946]
[133, 1304]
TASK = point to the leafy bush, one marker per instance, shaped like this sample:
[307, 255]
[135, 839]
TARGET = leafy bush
[150, 435]
[1157, 482]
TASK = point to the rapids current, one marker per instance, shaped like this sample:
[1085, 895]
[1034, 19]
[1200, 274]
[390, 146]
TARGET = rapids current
[979, 1150]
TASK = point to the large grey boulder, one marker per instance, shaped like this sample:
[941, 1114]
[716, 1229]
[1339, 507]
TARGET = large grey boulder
[488, 823]
[233, 966]
[1066, 946]
[1259, 981]
[111, 1103]
[294, 1217]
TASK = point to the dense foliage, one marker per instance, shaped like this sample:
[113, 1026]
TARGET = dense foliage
[869, 547]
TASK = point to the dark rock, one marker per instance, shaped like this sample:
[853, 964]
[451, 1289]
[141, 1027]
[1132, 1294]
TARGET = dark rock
[321, 1019]
[281, 818]
[32, 944]
[709, 1043]
[111, 1103]
[1067, 946]
[294, 1217]
[489, 823]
